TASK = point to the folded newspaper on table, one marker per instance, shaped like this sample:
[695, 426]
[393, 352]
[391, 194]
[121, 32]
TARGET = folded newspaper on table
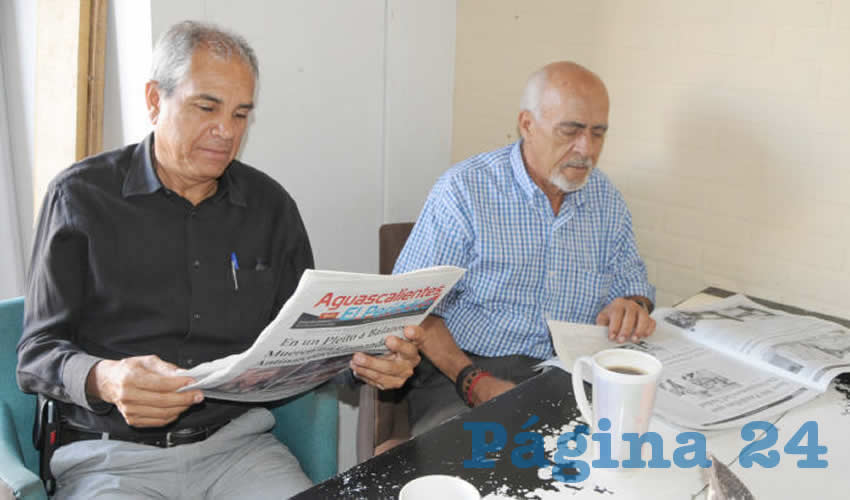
[330, 316]
[727, 363]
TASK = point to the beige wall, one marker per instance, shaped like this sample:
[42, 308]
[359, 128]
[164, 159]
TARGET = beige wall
[57, 91]
[728, 132]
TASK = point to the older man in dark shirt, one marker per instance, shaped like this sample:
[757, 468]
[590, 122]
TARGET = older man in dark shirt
[131, 278]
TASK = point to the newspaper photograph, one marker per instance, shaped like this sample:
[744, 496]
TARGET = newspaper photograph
[330, 316]
[703, 388]
[810, 350]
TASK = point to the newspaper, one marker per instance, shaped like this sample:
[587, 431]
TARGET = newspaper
[729, 362]
[330, 316]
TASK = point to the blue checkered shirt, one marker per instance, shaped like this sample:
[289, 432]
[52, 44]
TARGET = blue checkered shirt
[524, 263]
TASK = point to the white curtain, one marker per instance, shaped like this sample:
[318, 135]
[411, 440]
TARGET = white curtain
[11, 258]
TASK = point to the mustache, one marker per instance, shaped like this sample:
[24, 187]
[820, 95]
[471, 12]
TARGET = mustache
[584, 162]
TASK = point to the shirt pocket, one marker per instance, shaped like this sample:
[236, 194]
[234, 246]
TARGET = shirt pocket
[242, 306]
[507, 265]
[256, 295]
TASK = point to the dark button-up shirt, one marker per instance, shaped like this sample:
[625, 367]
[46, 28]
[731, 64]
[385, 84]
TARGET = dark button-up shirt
[122, 266]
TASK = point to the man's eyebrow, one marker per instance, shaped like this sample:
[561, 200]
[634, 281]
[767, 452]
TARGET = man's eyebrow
[208, 97]
[572, 125]
[600, 127]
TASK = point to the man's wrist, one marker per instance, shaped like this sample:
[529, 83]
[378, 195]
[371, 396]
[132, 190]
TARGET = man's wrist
[461, 377]
[645, 304]
[467, 380]
[95, 398]
[92, 384]
[75, 376]
[452, 366]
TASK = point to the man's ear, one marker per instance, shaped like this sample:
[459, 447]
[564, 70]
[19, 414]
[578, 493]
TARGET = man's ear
[524, 123]
[153, 100]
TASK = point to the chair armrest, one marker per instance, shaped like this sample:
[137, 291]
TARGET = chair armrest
[367, 418]
[15, 479]
[382, 421]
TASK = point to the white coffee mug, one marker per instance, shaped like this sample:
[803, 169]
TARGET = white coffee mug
[624, 383]
[438, 486]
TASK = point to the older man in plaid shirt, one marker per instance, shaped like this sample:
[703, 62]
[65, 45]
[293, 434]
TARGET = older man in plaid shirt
[542, 234]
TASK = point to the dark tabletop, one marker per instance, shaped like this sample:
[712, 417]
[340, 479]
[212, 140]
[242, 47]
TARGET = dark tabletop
[442, 450]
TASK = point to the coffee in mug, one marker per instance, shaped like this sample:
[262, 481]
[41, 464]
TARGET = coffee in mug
[627, 370]
[624, 383]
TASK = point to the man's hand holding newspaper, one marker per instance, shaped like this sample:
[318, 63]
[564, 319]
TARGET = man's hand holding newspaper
[391, 370]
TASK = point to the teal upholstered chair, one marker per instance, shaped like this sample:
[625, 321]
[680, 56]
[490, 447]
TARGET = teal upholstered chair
[307, 424]
[18, 457]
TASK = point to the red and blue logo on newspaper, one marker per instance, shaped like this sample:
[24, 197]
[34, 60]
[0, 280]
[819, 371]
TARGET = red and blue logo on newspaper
[345, 310]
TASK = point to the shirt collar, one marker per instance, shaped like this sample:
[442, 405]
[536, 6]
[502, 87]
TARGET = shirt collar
[521, 173]
[532, 190]
[142, 179]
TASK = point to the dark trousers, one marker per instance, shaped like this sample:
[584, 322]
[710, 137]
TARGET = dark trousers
[432, 396]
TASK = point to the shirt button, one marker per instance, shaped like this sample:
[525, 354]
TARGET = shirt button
[193, 212]
[190, 362]
[196, 264]
[196, 316]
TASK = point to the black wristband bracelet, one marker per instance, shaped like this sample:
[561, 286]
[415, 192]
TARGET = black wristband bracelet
[461, 377]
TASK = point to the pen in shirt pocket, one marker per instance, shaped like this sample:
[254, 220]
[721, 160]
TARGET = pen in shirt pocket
[234, 266]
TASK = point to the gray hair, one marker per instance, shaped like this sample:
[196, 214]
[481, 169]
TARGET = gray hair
[172, 56]
[530, 100]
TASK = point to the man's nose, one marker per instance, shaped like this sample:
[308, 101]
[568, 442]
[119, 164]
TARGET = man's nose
[582, 144]
[224, 129]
